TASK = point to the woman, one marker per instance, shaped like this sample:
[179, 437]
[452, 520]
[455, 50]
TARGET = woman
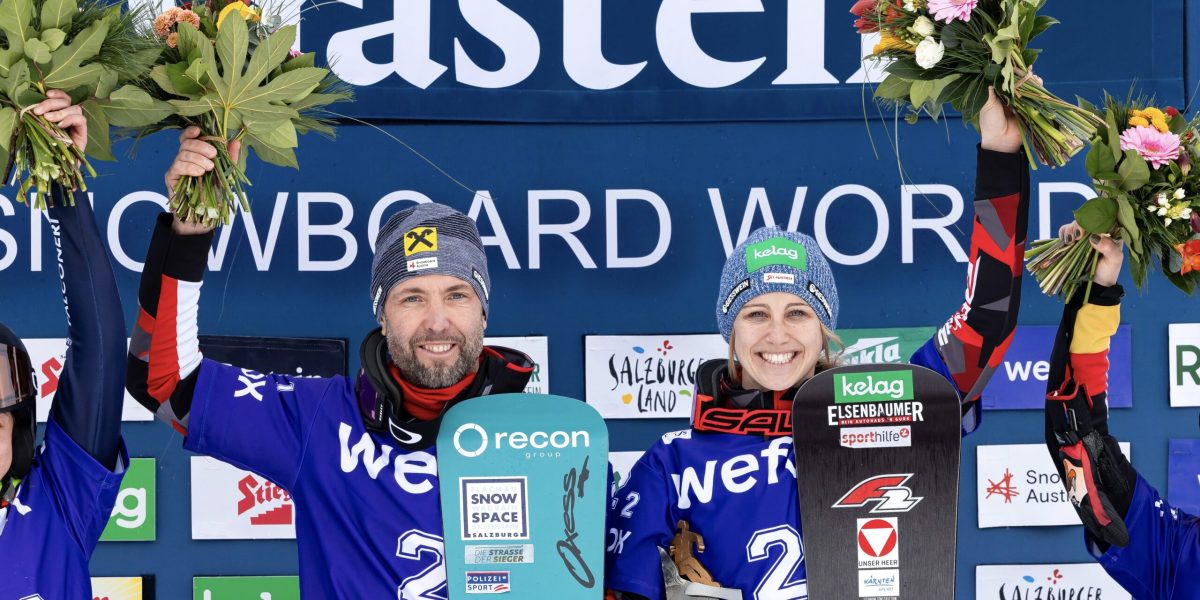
[56, 500]
[729, 491]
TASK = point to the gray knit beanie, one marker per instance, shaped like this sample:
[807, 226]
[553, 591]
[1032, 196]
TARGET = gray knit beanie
[428, 239]
[773, 260]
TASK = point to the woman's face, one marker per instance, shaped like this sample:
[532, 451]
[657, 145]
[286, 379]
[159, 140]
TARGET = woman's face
[777, 339]
[6, 429]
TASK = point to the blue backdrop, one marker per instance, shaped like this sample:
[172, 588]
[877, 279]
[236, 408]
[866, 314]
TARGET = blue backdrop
[546, 140]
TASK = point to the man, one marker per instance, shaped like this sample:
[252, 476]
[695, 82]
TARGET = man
[356, 454]
[1150, 548]
[56, 499]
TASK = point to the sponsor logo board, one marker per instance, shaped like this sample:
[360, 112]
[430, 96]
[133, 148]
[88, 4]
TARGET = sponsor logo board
[494, 508]
[499, 554]
[538, 349]
[1184, 363]
[240, 588]
[118, 588]
[878, 543]
[1020, 382]
[48, 356]
[1046, 581]
[231, 504]
[134, 517]
[1018, 485]
[647, 376]
[1183, 475]
[622, 464]
[890, 345]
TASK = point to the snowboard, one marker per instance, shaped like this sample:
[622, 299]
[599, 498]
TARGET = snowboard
[523, 493]
[877, 465]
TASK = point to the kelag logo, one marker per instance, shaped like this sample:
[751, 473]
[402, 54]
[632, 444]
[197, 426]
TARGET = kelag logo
[881, 386]
[776, 251]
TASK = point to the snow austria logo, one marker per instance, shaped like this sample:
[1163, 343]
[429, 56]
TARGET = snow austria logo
[776, 251]
[471, 440]
[880, 386]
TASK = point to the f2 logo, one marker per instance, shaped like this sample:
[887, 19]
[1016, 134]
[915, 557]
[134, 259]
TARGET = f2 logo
[887, 492]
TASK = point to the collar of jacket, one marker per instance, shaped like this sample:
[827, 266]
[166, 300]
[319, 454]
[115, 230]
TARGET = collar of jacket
[381, 401]
[720, 406]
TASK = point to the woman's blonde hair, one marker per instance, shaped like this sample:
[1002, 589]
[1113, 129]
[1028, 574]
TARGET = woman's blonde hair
[831, 354]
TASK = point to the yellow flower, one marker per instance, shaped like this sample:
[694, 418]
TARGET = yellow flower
[1136, 113]
[1160, 125]
[1138, 121]
[888, 41]
[247, 13]
[1153, 113]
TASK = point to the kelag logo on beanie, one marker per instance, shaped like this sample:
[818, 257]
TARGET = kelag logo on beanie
[776, 251]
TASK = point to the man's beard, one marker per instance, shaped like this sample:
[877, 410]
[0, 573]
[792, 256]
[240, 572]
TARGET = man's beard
[440, 374]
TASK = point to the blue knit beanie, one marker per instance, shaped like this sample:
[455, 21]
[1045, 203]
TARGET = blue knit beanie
[773, 260]
[428, 239]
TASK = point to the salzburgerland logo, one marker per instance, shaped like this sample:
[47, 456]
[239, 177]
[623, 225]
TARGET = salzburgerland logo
[471, 440]
[568, 551]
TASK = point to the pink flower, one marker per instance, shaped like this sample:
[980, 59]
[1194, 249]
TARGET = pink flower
[952, 10]
[1157, 148]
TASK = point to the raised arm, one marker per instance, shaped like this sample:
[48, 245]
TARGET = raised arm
[91, 389]
[1099, 479]
[164, 354]
[970, 346]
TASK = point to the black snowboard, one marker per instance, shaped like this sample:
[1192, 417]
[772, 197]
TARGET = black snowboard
[877, 450]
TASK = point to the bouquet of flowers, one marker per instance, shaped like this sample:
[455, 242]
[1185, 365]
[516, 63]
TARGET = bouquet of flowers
[86, 50]
[1148, 195]
[228, 68]
[950, 51]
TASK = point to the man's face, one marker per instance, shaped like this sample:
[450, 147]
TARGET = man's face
[434, 327]
[6, 430]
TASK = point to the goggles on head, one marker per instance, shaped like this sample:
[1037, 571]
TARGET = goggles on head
[16, 377]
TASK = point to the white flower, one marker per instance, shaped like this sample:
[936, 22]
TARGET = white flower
[1179, 194]
[1161, 198]
[923, 27]
[1167, 222]
[929, 53]
[910, 6]
[1162, 212]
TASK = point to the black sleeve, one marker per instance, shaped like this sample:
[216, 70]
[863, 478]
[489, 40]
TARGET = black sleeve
[91, 390]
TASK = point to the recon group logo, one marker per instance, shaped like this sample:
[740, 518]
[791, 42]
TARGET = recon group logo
[488, 582]
[471, 440]
[885, 494]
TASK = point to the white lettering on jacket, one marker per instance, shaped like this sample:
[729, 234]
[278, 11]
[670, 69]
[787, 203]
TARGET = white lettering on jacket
[737, 474]
[414, 471]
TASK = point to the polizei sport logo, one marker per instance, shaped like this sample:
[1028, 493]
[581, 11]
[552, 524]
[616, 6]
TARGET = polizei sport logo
[874, 398]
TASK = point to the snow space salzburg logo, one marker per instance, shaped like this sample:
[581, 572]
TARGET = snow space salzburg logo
[1046, 582]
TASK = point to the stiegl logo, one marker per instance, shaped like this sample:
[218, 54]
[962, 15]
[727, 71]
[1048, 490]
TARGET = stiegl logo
[472, 440]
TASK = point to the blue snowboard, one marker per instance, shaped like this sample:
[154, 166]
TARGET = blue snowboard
[524, 490]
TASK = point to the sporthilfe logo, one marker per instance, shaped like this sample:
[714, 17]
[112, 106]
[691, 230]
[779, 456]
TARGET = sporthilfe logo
[887, 493]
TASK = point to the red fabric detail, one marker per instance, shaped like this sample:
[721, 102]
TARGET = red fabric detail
[1077, 452]
[781, 401]
[163, 370]
[145, 322]
[1091, 371]
[1014, 254]
[177, 426]
[424, 403]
